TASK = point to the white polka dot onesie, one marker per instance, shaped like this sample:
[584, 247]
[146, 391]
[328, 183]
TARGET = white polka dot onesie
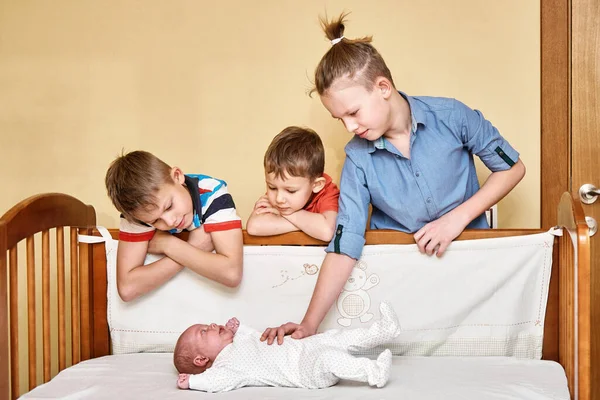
[315, 362]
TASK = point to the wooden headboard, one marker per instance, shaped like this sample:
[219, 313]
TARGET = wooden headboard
[566, 330]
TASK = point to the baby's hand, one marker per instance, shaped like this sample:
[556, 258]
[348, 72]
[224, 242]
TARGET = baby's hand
[183, 382]
[233, 324]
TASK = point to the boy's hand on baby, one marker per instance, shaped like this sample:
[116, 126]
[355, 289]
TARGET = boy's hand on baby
[436, 236]
[297, 331]
[183, 382]
[233, 324]
[159, 242]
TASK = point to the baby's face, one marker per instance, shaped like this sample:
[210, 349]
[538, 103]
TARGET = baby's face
[209, 340]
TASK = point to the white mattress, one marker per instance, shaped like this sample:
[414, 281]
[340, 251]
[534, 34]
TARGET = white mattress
[152, 376]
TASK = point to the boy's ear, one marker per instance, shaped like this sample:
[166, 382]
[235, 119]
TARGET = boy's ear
[201, 361]
[384, 86]
[177, 175]
[318, 184]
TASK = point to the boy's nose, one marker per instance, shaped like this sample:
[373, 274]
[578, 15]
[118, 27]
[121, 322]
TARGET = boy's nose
[213, 326]
[170, 219]
[280, 199]
[350, 125]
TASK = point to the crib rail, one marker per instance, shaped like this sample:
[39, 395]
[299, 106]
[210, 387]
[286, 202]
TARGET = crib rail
[49, 218]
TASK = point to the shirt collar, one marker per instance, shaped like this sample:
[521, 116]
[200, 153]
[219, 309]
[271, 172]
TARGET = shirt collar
[417, 116]
[191, 184]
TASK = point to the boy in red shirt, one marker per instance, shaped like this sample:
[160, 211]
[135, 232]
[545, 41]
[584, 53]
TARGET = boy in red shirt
[300, 196]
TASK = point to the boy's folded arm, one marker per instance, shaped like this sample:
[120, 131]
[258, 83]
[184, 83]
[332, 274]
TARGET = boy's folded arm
[269, 224]
[319, 226]
[133, 277]
[200, 239]
[224, 266]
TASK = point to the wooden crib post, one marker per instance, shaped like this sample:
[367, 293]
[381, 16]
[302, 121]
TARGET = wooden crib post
[574, 295]
[4, 343]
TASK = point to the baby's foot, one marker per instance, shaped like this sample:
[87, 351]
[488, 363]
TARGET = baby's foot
[389, 319]
[384, 362]
[233, 324]
[183, 382]
[381, 332]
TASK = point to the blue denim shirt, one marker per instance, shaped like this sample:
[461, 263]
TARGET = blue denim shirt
[406, 194]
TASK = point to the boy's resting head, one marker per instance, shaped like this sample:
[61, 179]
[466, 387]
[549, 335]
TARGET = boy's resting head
[295, 152]
[145, 189]
[294, 164]
[199, 345]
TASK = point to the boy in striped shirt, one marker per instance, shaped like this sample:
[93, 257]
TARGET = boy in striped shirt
[155, 201]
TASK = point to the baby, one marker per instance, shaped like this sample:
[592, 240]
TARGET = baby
[223, 358]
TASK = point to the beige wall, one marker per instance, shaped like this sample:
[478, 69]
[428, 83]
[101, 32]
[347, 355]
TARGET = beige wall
[81, 80]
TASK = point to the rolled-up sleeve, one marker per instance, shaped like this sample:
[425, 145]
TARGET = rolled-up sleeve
[483, 139]
[349, 238]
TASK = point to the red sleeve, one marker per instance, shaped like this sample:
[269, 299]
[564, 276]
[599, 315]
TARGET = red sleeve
[132, 232]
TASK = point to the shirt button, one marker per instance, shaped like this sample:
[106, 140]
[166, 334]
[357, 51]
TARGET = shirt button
[339, 231]
[429, 199]
[418, 174]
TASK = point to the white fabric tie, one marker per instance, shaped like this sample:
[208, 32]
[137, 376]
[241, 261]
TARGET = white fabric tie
[336, 41]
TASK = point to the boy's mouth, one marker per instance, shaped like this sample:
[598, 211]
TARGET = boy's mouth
[180, 226]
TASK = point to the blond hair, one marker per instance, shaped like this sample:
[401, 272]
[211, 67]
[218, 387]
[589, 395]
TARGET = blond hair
[133, 179]
[295, 151]
[356, 59]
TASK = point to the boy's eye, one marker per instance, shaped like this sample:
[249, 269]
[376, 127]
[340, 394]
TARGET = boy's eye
[271, 188]
[170, 205]
[352, 114]
[292, 191]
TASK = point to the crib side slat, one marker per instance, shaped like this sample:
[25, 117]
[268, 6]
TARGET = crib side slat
[84, 280]
[31, 317]
[47, 361]
[60, 288]
[75, 355]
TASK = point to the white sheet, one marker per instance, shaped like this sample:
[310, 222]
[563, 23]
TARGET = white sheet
[152, 376]
[485, 297]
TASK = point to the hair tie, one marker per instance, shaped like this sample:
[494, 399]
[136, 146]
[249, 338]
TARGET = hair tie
[336, 41]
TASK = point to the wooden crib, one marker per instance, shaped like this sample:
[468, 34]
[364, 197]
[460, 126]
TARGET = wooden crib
[79, 302]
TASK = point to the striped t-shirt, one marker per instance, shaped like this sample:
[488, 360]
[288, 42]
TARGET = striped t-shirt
[213, 208]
